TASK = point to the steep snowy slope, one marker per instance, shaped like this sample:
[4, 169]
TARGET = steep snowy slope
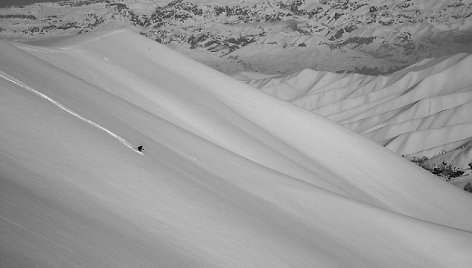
[230, 177]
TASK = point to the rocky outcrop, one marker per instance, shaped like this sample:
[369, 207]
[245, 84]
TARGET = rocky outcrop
[369, 37]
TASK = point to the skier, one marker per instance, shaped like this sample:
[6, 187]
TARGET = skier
[140, 148]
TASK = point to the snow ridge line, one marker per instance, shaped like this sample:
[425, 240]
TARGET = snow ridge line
[64, 108]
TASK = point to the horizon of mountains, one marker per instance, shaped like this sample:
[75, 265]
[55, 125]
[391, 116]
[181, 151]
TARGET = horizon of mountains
[273, 36]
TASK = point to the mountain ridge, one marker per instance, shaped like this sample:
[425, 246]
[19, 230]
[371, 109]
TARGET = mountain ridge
[369, 37]
[416, 112]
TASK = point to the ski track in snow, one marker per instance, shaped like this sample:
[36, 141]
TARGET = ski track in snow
[64, 108]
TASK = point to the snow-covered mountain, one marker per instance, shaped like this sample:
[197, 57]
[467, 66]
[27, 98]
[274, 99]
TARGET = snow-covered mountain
[422, 111]
[271, 36]
[229, 176]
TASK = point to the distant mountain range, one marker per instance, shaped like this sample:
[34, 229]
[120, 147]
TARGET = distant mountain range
[369, 37]
[423, 112]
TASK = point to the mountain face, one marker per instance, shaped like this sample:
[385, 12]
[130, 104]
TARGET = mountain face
[229, 176]
[370, 37]
[422, 112]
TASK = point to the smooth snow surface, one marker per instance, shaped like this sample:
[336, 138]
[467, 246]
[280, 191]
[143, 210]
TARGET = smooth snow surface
[230, 177]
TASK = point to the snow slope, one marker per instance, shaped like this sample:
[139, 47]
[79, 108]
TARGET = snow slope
[230, 177]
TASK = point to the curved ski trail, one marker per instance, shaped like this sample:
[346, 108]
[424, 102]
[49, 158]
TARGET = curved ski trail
[64, 108]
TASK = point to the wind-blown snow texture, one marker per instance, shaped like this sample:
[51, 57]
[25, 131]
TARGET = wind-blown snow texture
[230, 177]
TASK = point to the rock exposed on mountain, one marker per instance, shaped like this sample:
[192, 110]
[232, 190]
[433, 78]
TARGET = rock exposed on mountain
[369, 37]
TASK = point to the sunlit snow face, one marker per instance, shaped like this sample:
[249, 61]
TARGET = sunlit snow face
[230, 175]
